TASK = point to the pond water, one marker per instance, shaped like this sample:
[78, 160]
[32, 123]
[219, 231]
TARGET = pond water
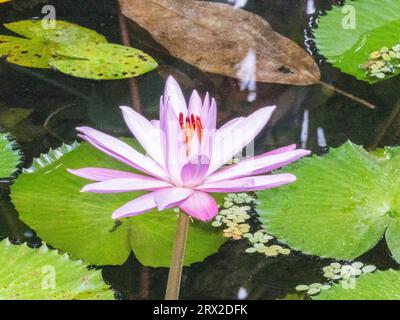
[58, 103]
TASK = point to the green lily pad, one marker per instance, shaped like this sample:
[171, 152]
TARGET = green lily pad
[380, 285]
[47, 198]
[103, 61]
[341, 204]
[44, 274]
[39, 46]
[9, 156]
[376, 26]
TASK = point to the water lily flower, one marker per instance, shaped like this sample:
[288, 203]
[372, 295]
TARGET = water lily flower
[186, 157]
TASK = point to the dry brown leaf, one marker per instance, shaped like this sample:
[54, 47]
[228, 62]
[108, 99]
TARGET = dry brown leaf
[216, 37]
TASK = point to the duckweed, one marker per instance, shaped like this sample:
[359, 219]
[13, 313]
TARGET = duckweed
[313, 289]
[334, 272]
[233, 218]
[383, 62]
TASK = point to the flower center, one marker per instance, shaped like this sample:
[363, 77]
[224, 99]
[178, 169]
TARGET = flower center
[190, 126]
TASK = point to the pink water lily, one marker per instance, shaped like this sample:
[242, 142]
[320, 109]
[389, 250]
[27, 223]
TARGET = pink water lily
[186, 157]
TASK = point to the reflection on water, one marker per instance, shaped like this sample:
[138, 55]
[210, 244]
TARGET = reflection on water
[247, 75]
[62, 103]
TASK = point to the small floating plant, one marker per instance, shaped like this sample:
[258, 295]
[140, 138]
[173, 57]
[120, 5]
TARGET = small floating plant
[383, 62]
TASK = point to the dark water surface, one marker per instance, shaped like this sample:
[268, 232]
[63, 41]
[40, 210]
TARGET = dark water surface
[95, 103]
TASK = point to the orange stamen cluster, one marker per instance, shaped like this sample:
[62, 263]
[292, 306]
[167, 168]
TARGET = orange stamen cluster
[190, 126]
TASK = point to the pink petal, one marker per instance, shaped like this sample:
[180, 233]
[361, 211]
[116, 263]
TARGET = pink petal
[227, 126]
[240, 135]
[155, 123]
[137, 206]
[254, 183]
[102, 174]
[174, 146]
[205, 108]
[200, 205]
[146, 134]
[125, 185]
[171, 197]
[195, 104]
[279, 150]
[209, 131]
[121, 151]
[258, 165]
[211, 121]
[194, 172]
[174, 96]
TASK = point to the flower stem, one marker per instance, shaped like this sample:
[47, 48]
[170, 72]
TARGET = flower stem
[178, 254]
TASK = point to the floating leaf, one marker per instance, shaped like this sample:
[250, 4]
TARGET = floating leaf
[47, 198]
[41, 44]
[216, 37]
[380, 285]
[44, 274]
[340, 206]
[347, 36]
[103, 61]
[9, 157]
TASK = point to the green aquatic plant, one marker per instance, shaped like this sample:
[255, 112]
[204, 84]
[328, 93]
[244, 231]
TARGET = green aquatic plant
[73, 50]
[41, 274]
[379, 285]
[347, 36]
[9, 156]
[37, 46]
[341, 205]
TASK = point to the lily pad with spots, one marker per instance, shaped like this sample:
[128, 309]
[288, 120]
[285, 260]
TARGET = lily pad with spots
[49, 200]
[44, 274]
[103, 61]
[39, 45]
[341, 205]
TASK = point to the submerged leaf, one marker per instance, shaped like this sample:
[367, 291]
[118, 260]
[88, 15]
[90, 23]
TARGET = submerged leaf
[380, 285]
[40, 44]
[41, 274]
[9, 157]
[103, 61]
[216, 38]
[348, 36]
[340, 205]
[47, 198]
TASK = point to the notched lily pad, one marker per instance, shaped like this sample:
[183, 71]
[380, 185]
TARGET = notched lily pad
[347, 38]
[340, 206]
[9, 156]
[44, 274]
[103, 61]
